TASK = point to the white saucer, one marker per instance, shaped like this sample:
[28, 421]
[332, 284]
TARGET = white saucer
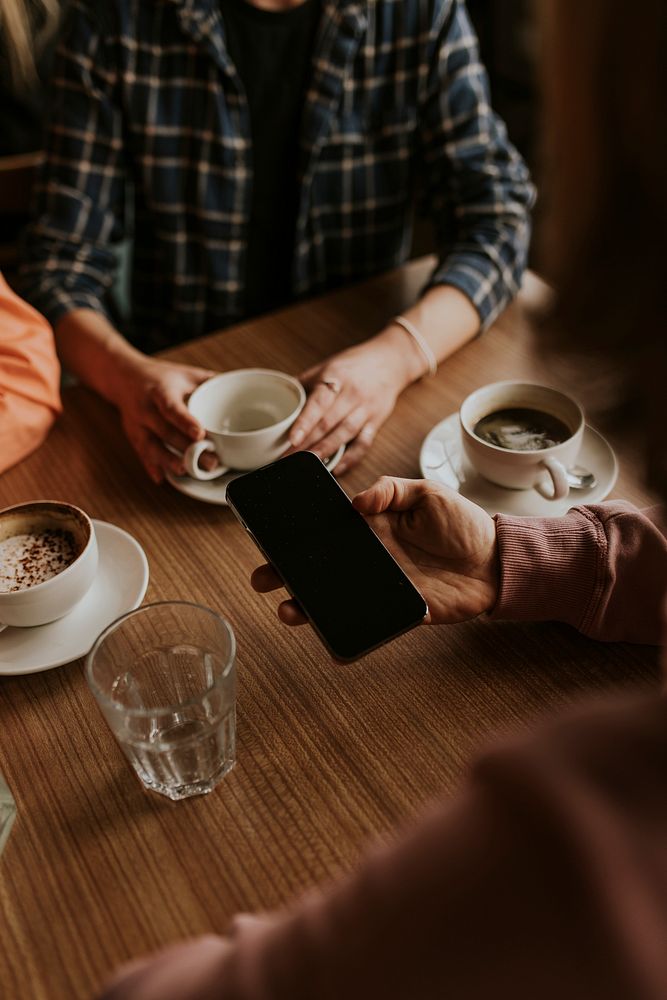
[119, 586]
[442, 459]
[215, 490]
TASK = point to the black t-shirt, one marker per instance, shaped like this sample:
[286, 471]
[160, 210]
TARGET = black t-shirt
[272, 52]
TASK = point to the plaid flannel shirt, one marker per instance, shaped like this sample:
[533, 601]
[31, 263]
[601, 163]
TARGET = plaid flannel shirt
[145, 101]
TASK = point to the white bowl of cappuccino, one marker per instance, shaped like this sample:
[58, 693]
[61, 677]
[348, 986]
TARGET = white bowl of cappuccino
[48, 561]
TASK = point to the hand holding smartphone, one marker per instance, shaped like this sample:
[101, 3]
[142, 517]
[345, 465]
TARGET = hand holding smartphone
[353, 591]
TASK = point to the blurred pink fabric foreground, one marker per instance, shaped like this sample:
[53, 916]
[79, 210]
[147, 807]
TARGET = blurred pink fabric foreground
[546, 877]
[29, 378]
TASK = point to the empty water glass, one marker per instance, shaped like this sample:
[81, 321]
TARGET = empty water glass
[164, 678]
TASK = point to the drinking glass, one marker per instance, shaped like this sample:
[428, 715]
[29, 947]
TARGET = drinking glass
[164, 677]
[7, 812]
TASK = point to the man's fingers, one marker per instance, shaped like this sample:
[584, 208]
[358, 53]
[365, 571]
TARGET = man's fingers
[290, 613]
[377, 497]
[264, 579]
[389, 493]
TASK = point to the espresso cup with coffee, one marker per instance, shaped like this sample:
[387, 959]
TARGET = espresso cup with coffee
[48, 561]
[522, 436]
[247, 415]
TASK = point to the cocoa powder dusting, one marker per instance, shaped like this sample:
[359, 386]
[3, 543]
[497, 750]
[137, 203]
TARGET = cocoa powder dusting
[29, 559]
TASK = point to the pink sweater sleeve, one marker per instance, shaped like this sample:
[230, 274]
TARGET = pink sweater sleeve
[547, 878]
[602, 569]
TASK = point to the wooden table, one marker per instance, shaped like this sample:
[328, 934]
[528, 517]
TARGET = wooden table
[330, 758]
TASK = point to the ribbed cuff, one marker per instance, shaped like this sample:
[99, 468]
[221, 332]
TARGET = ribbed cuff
[549, 567]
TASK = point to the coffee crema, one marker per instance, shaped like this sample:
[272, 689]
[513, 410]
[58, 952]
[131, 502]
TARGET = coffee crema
[34, 557]
[522, 429]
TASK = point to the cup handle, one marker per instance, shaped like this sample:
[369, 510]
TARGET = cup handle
[558, 475]
[191, 457]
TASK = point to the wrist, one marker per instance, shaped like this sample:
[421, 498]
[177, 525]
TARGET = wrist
[406, 357]
[425, 348]
[123, 370]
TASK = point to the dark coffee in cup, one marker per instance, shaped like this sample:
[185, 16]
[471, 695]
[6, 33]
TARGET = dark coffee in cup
[516, 434]
[522, 429]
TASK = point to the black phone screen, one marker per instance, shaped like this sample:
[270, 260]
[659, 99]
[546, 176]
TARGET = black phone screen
[354, 592]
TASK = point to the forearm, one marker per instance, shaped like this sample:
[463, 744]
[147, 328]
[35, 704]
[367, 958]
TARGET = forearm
[92, 349]
[446, 320]
[149, 393]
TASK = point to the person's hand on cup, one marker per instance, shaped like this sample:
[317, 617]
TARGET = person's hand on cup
[246, 414]
[446, 545]
[151, 396]
[351, 394]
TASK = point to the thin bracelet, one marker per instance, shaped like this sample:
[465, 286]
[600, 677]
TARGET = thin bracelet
[419, 340]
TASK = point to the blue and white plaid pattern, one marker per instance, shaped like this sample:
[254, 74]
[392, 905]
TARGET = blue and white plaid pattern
[145, 99]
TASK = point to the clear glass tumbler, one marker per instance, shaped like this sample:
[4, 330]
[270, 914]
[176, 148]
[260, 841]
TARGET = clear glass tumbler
[7, 812]
[164, 677]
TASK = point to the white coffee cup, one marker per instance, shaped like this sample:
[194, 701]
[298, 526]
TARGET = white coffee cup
[543, 469]
[42, 602]
[247, 415]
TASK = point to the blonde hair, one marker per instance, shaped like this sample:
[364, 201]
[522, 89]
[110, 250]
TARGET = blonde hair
[26, 25]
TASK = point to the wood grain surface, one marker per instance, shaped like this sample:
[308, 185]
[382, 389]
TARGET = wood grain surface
[330, 759]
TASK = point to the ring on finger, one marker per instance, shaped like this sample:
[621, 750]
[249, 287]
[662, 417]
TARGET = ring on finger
[331, 383]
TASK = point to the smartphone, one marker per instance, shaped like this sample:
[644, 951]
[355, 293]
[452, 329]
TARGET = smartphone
[331, 561]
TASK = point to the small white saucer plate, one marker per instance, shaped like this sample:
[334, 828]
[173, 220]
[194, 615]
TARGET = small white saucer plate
[442, 459]
[215, 490]
[120, 585]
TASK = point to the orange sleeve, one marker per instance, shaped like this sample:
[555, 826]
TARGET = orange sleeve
[29, 378]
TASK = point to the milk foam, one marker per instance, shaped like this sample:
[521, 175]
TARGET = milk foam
[32, 558]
